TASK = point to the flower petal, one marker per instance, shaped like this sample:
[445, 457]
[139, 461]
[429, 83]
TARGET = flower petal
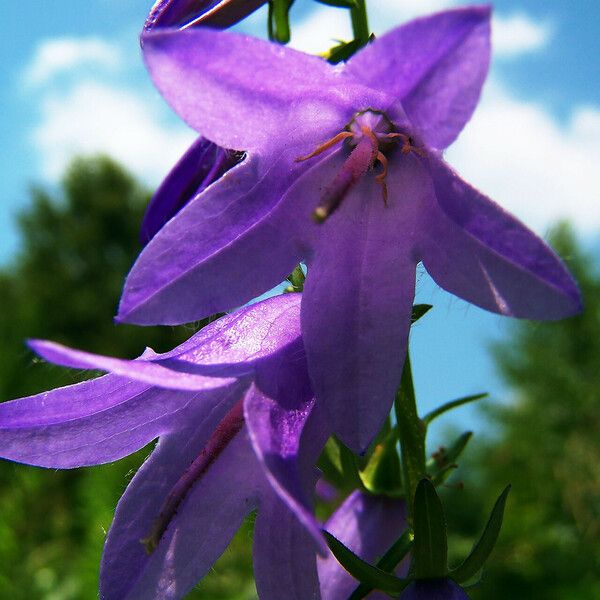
[275, 426]
[90, 423]
[238, 343]
[227, 246]
[202, 527]
[139, 370]
[200, 166]
[435, 65]
[358, 299]
[476, 250]
[284, 554]
[242, 92]
[366, 524]
[212, 13]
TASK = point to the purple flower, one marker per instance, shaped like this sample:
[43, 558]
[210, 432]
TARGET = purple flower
[358, 148]
[368, 525]
[237, 428]
[434, 589]
[203, 164]
[189, 13]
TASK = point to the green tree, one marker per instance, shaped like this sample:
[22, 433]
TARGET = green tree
[76, 247]
[547, 445]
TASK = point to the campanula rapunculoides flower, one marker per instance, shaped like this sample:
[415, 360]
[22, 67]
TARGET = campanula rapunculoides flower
[202, 164]
[343, 171]
[190, 13]
[368, 525]
[230, 408]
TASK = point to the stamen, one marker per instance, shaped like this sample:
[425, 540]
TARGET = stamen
[361, 159]
[328, 144]
[380, 179]
[226, 431]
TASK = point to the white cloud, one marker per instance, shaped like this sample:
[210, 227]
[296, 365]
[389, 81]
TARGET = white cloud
[91, 117]
[519, 34]
[60, 55]
[535, 166]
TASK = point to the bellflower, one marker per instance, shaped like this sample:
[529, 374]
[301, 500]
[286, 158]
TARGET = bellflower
[343, 171]
[237, 430]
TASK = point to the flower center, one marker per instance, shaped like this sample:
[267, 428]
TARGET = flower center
[226, 431]
[369, 134]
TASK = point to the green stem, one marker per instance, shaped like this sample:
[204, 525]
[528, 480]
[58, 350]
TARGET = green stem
[411, 431]
[360, 22]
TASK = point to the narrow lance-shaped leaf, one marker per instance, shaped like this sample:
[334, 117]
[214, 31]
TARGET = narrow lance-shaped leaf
[388, 562]
[383, 473]
[411, 432]
[440, 410]
[444, 460]
[430, 551]
[279, 20]
[339, 465]
[484, 546]
[362, 570]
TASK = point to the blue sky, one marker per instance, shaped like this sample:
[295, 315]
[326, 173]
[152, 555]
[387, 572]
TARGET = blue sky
[73, 81]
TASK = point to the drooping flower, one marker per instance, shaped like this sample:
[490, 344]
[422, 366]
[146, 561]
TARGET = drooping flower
[358, 148]
[190, 13]
[237, 428]
[202, 164]
[368, 525]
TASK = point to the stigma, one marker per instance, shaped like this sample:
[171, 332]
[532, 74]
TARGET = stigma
[225, 432]
[368, 136]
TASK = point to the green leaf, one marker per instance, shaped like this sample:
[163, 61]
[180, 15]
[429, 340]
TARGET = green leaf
[388, 562]
[343, 51]
[339, 465]
[484, 546]
[418, 311]
[296, 279]
[444, 460]
[339, 3]
[430, 552]
[382, 474]
[363, 571]
[411, 432]
[434, 414]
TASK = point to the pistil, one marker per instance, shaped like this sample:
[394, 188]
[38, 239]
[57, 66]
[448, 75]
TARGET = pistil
[226, 431]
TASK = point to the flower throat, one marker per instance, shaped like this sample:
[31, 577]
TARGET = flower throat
[369, 135]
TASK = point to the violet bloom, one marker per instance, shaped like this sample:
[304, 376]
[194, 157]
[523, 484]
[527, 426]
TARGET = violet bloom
[237, 430]
[368, 525]
[357, 147]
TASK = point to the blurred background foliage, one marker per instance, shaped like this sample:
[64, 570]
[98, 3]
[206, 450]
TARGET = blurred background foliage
[77, 245]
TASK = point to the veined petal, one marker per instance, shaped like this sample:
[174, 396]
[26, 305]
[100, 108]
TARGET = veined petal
[358, 299]
[200, 166]
[227, 246]
[188, 13]
[368, 525]
[199, 531]
[275, 428]
[240, 92]
[91, 423]
[284, 554]
[477, 251]
[141, 370]
[435, 65]
[237, 343]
